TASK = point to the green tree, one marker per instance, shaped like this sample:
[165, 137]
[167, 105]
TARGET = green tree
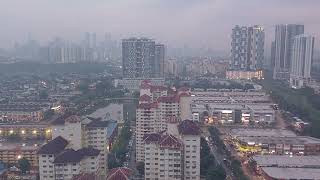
[24, 165]
[216, 173]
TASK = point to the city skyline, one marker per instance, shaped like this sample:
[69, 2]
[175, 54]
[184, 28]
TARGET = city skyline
[174, 23]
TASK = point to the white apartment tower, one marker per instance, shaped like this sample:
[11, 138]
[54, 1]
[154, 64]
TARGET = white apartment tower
[70, 129]
[57, 162]
[283, 48]
[173, 154]
[302, 54]
[155, 107]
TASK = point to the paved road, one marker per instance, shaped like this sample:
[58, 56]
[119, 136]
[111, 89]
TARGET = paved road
[218, 156]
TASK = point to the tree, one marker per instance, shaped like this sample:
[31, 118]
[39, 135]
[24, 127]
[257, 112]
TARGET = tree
[216, 173]
[24, 165]
[140, 168]
[206, 158]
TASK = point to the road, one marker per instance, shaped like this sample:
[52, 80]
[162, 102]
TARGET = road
[218, 156]
[280, 122]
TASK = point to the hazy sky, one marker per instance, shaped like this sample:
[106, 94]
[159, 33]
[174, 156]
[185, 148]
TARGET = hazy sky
[176, 22]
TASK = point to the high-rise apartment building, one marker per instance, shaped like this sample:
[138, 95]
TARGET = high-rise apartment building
[58, 162]
[156, 106]
[90, 133]
[284, 37]
[160, 53]
[301, 60]
[142, 58]
[96, 136]
[175, 153]
[247, 48]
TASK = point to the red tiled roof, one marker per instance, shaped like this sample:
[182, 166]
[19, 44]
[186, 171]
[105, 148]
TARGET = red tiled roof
[145, 98]
[188, 127]
[184, 89]
[155, 137]
[55, 146]
[72, 156]
[148, 105]
[121, 173]
[169, 141]
[168, 99]
[184, 94]
[158, 88]
[73, 119]
[85, 176]
[147, 81]
[145, 86]
[165, 141]
[172, 91]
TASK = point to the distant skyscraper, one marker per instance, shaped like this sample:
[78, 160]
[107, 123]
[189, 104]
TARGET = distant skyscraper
[160, 54]
[247, 48]
[273, 54]
[302, 54]
[94, 40]
[87, 39]
[139, 58]
[284, 35]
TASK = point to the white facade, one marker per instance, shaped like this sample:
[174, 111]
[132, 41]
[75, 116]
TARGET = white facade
[71, 130]
[67, 171]
[302, 55]
[162, 163]
[283, 44]
[174, 154]
[146, 119]
[46, 167]
[191, 157]
[96, 137]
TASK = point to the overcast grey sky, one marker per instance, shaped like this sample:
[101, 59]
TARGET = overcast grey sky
[176, 22]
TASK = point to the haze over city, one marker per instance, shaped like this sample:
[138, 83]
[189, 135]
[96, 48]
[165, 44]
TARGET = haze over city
[201, 23]
[159, 89]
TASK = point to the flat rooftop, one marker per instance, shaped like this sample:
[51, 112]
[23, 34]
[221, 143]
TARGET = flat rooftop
[262, 133]
[299, 140]
[287, 161]
[18, 147]
[292, 173]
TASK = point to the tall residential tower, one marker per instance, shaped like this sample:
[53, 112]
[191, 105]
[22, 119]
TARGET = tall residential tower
[284, 37]
[247, 48]
[142, 58]
[301, 60]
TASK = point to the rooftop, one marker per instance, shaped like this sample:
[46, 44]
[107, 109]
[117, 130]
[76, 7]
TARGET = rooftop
[165, 141]
[97, 123]
[168, 99]
[287, 161]
[73, 156]
[147, 105]
[55, 146]
[188, 127]
[292, 173]
[262, 132]
[299, 140]
[145, 98]
[121, 173]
